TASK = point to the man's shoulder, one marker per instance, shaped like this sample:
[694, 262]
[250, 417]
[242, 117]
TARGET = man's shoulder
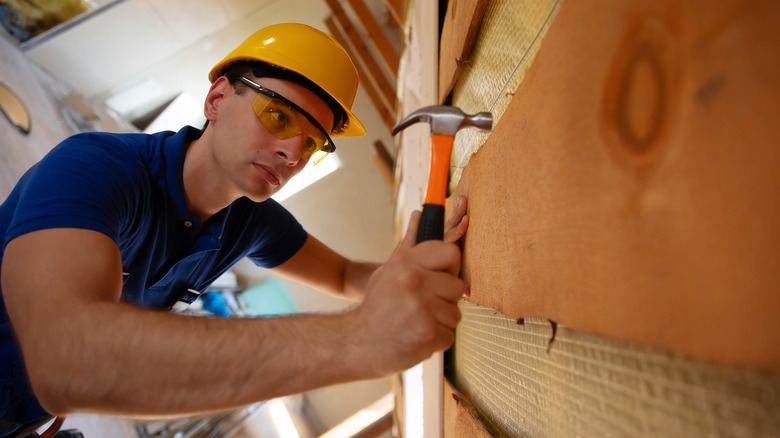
[109, 141]
[131, 148]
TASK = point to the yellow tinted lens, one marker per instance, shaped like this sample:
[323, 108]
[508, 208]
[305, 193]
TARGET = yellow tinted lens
[278, 118]
[285, 122]
[313, 146]
[318, 156]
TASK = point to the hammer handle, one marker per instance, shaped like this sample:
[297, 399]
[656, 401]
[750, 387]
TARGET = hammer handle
[431, 223]
[432, 220]
[441, 151]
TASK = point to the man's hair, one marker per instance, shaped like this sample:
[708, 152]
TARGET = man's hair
[259, 69]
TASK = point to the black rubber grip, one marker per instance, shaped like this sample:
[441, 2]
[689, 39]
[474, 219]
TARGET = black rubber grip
[431, 223]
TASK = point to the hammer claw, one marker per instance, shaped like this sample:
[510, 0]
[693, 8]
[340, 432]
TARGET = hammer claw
[409, 120]
[446, 120]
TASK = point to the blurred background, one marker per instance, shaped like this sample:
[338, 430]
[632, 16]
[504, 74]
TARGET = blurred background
[141, 66]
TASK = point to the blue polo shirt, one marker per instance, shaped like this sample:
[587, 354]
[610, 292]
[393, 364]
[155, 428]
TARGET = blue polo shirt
[129, 187]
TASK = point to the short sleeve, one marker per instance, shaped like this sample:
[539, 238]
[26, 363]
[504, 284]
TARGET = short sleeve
[280, 235]
[88, 181]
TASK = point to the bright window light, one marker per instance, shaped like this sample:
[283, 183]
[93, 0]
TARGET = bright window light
[183, 110]
[282, 420]
[136, 96]
[309, 175]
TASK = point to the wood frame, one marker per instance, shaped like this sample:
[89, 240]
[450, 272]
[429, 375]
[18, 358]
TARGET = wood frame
[423, 384]
[372, 51]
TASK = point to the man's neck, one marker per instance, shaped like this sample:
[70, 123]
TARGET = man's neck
[206, 194]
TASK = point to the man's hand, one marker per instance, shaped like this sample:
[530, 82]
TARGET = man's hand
[410, 309]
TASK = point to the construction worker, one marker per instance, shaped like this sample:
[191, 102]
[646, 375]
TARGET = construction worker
[110, 230]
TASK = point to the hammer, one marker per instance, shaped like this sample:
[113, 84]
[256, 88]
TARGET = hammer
[445, 122]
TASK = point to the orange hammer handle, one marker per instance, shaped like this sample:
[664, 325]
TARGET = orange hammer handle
[441, 151]
[431, 225]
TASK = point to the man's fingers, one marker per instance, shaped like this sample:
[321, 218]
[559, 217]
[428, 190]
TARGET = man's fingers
[457, 212]
[446, 287]
[457, 223]
[447, 314]
[436, 255]
[453, 234]
[446, 338]
[454, 228]
[437, 285]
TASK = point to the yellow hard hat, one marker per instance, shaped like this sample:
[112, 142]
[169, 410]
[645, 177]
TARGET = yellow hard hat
[311, 53]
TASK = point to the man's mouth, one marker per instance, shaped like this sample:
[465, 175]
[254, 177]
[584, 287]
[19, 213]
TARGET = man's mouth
[269, 174]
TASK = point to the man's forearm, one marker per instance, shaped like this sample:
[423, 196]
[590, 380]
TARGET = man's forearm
[356, 276]
[143, 363]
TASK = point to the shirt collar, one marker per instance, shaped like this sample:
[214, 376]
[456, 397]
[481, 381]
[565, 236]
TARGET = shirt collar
[173, 150]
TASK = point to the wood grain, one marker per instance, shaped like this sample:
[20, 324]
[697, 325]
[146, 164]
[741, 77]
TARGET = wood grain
[459, 33]
[631, 187]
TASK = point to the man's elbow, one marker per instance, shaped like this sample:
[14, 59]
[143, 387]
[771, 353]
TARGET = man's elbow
[60, 379]
[54, 371]
[51, 390]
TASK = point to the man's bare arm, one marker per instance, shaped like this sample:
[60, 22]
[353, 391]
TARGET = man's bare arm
[87, 352]
[321, 268]
[318, 266]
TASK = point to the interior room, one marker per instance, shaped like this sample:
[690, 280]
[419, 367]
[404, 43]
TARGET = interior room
[619, 167]
[141, 66]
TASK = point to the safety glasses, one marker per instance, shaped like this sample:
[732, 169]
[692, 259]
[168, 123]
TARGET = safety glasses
[284, 120]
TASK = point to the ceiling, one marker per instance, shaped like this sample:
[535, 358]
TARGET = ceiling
[154, 50]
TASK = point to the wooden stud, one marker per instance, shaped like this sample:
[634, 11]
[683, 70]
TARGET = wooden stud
[458, 36]
[364, 54]
[385, 113]
[397, 10]
[376, 35]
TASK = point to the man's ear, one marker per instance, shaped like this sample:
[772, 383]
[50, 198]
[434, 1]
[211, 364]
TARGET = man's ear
[216, 93]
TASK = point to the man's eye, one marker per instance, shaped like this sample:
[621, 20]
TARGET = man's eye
[310, 144]
[279, 117]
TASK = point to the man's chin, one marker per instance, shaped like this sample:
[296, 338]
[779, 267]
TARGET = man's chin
[259, 191]
[260, 198]
[263, 195]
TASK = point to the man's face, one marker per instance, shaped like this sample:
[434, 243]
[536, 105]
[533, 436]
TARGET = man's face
[248, 155]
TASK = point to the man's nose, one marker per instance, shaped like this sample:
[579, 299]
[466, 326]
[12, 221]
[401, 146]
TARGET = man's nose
[290, 149]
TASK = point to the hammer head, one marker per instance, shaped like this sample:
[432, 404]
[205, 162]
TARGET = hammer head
[446, 120]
